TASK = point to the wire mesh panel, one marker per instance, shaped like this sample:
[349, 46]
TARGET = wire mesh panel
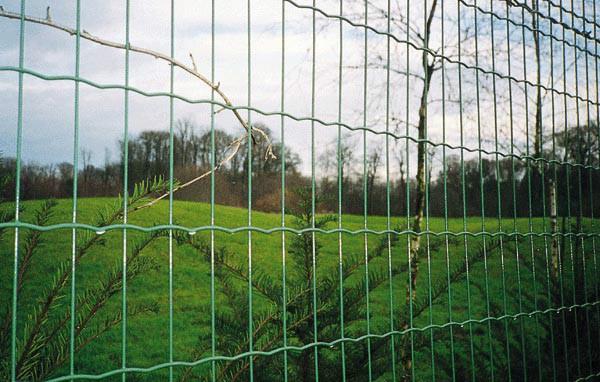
[300, 190]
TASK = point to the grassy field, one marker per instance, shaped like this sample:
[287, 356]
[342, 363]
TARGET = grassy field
[501, 284]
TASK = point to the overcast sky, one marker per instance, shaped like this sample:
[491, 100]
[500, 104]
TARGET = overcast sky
[49, 107]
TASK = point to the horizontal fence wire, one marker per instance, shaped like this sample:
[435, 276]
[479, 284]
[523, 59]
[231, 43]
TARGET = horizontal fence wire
[321, 344]
[100, 230]
[488, 300]
[303, 119]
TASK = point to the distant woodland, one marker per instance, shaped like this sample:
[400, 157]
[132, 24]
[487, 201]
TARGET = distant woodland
[504, 182]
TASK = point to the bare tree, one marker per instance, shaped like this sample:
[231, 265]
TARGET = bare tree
[373, 162]
[421, 35]
[331, 159]
[429, 67]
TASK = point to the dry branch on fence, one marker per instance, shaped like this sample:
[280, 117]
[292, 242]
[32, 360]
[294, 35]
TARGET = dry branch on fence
[234, 146]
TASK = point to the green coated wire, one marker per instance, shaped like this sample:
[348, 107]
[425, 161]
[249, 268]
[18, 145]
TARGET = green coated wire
[575, 14]
[408, 237]
[429, 280]
[213, 330]
[580, 201]
[498, 194]
[387, 192]
[313, 191]
[445, 182]
[543, 200]
[587, 312]
[125, 194]
[283, 169]
[340, 193]
[19, 144]
[544, 222]
[577, 119]
[553, 20]
[75, 179]
[308, 346]
[548, 265]
[434, 54]
[249, 139]
[552, 3]
[193, 230]
[365, 193]
[559, 275]
[568, 217]
[291, 116]
[311, 345]
[514, 203]
[464, 200]
[427, 180]
[482, 200]
[592, 218]
[529, 190]
[411, 44]
[429, 283]
[584, 267]
[171, 181]
[523, 25]
[561, 252]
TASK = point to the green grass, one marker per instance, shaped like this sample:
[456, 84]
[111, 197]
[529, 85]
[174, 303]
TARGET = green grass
[147, 339]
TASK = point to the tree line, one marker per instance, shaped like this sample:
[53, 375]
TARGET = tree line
[507, 186]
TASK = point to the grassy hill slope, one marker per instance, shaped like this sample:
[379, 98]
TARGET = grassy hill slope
[499, 283]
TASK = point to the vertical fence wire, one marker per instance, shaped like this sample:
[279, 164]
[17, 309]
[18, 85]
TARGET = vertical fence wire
[579, 159]
[543, 175]
[481, 194]
[445, 187]
[588, 143]
[499, 192]
[365, 190]
[75, 171]
[592, 216]
[426, 170]
[313, 187]
[18, 164]
[340, 181]
[569, 239]
[284, 292]
[250, 169]
[125, 194]
[171, 182]
[388, 199]
[513, 175]
[558, 244]
[213, 297]
[579, 206]
[529, 189]
[463, 193]
[408, 358]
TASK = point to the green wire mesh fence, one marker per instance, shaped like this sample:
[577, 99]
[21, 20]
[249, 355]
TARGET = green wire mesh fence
[455, 240]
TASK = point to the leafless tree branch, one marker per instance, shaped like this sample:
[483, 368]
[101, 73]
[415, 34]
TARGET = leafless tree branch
[235, 145]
